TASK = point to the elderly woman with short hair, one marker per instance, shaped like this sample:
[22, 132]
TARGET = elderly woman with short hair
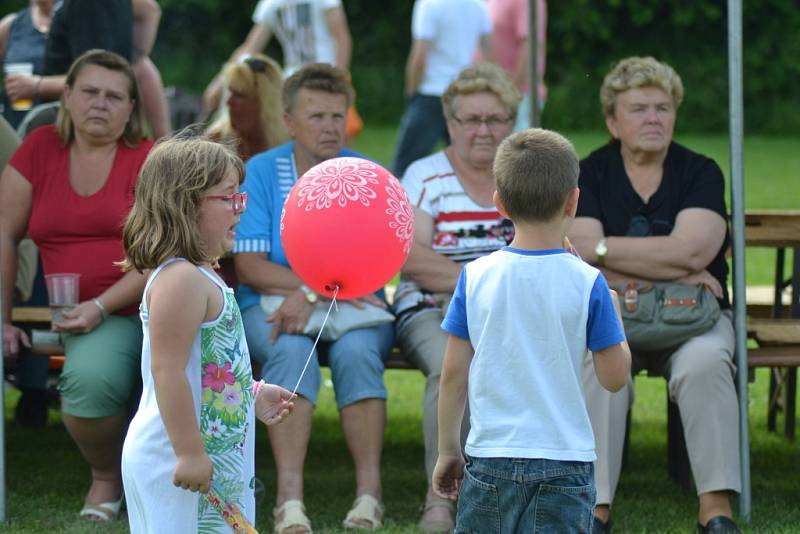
[455, 221]
[651, 210]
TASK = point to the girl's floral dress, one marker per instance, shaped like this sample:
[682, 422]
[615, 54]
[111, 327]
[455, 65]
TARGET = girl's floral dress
[221, 381]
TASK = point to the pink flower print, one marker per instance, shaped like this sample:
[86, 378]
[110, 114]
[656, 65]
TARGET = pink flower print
[216, 377]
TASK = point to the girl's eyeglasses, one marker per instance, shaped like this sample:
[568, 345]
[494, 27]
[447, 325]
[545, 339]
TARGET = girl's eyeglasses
[238, 200]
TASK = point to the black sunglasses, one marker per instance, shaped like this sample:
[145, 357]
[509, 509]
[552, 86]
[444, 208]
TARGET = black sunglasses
[640, 226]
[255, 64]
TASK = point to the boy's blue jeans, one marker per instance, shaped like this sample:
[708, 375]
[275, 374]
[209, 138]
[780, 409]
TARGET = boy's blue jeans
[517, 495]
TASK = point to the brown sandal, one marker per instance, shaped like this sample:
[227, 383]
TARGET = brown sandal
[437, 525]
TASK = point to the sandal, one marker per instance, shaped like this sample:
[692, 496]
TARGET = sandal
[427, 524]
[102, 512]
[366, 514]
[293, 516]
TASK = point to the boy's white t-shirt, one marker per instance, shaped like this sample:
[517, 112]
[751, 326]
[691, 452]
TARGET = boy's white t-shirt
[454, 28]
[301, 28]
[530, 317]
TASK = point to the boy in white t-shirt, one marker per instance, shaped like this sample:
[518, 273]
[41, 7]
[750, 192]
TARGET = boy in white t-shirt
[520, 322]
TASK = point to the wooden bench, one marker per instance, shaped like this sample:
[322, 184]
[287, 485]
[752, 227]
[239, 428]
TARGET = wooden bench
[37, 317]
[779, 349]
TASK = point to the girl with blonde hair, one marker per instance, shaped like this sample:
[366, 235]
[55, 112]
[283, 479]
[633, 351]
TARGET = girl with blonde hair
[194, 426]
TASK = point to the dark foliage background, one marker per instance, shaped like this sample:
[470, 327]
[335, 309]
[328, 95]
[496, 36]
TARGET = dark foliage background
[584, 38]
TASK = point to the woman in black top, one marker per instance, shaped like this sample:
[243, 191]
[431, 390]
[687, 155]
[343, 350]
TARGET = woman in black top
[652, 210]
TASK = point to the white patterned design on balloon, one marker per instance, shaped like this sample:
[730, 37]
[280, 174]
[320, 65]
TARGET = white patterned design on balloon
[340, 180]
[400, 211]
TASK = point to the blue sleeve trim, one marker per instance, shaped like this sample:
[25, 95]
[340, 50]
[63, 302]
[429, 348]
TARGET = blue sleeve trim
[455, 320]
[603, 328]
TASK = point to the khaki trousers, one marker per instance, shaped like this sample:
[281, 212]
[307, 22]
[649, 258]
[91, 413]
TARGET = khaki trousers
[423, 343]
[700, 376]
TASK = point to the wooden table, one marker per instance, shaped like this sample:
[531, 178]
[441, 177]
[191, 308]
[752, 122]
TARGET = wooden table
[779, 338]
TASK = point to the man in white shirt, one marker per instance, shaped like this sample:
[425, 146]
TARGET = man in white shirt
[445, 35]
[310, 31]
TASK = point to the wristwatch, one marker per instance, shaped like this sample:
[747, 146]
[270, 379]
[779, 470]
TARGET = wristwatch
[311, 297]
[601, 250]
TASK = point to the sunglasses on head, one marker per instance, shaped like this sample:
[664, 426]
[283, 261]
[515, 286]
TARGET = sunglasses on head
[255, 64]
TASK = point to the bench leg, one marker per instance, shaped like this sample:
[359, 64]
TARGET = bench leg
[772, 404]
[789, 404]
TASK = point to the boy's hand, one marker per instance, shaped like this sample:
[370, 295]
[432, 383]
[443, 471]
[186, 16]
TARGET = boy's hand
[272, 403]
[447, 476]
[193, 472]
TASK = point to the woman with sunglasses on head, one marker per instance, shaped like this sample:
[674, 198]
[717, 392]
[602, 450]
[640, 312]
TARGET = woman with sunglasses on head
[253, 116]
[455, 221]
[652, 210]
[70, 186]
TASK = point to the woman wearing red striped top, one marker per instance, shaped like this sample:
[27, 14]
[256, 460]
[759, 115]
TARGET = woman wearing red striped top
[455, 221]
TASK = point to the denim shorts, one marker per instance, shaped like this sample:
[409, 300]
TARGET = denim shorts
[518, 495]
[356, 359]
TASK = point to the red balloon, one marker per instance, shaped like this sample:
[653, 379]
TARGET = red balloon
[347, 222]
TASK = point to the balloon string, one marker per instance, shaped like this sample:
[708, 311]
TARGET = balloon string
[314, 347]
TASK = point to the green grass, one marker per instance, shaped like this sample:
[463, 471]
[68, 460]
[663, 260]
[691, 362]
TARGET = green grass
[771, 171]
[47, 478]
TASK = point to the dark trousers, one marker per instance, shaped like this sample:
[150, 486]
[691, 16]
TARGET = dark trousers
[421, 127]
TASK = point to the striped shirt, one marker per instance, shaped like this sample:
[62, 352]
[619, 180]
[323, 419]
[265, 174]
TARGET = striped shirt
[462, 229]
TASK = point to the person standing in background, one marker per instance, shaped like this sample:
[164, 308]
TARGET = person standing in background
[309, 31]
[510, 42]
[22, 39]
[439, 50]
[126, 27]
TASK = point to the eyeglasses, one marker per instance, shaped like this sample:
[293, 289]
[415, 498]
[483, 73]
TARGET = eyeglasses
[255, 64]
[473, 122]
[238, 200]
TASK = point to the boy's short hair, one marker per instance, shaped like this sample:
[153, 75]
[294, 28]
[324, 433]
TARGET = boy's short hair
[535, 170]
[316, 77]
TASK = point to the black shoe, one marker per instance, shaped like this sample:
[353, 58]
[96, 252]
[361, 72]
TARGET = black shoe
[31, 410]
[719, 525]
[598, 527]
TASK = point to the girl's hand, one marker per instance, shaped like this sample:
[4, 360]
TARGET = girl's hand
[82, 319]
[193, 472]
[272, 403]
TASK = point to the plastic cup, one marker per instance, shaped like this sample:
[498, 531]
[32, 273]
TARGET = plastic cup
[62, 293]
[22, 104]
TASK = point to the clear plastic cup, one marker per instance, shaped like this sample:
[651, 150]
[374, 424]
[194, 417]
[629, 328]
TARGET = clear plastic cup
[21, 104]
[62, 293]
